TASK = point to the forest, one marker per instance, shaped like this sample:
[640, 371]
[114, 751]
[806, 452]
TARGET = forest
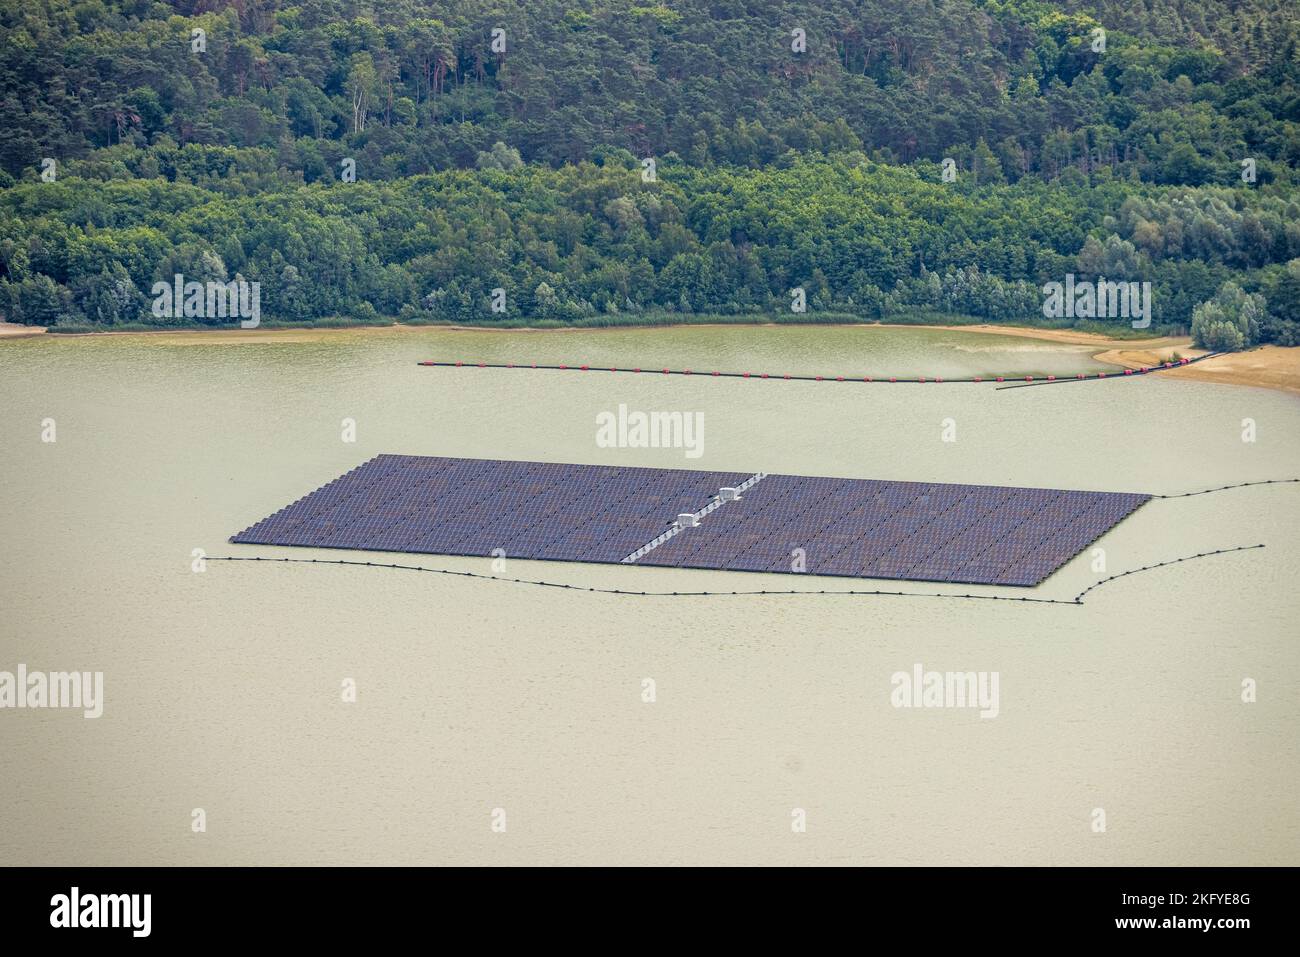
[605, 161]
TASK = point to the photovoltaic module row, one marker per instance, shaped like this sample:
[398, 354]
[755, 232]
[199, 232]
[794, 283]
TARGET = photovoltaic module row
[859, 528]
[448, 506]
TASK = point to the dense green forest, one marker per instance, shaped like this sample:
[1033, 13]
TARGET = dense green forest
[395, 159]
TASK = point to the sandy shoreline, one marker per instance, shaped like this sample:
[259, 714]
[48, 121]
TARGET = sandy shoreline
[11, 330]
[1268, 367]
[1264, 367]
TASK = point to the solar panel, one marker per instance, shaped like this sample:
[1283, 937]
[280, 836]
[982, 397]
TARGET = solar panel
[861, 528]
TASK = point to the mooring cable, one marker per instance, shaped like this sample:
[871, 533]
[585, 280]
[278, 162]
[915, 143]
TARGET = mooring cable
[1077, 600]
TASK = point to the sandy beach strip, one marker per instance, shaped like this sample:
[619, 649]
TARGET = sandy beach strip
[1265, 367]
[12, 330]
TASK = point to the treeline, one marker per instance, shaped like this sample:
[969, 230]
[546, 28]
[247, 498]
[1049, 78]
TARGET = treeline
[1172, 93]
[843, 233]
[568, 160]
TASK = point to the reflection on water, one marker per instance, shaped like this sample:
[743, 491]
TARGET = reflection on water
[222, 688]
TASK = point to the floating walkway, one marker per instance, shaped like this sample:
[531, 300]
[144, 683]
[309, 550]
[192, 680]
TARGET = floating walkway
[858, 528]
[692, 520]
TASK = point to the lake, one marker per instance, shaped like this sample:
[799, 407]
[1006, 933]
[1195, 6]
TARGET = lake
[222, 688]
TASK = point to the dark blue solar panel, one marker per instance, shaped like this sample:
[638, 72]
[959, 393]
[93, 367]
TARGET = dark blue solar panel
[472, 507]
[852, 527]
[969, 534]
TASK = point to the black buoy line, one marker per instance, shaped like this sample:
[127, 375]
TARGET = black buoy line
[1016, 381]
[1076, 600]
[1224, 488]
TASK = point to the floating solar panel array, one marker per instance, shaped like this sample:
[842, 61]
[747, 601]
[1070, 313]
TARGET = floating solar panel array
[973, 534]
